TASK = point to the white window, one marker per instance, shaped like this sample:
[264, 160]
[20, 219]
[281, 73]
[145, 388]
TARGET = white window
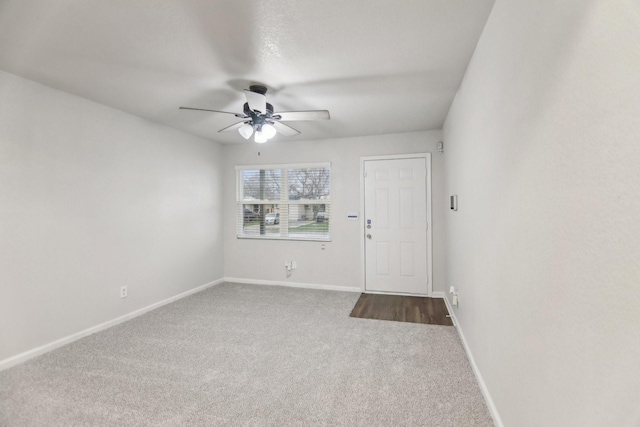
[284, 202]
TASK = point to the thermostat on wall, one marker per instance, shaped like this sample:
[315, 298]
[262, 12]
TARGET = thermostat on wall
[454, 202]
[352, 215]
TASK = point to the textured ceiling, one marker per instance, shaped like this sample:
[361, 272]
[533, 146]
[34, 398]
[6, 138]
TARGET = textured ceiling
[378, 66]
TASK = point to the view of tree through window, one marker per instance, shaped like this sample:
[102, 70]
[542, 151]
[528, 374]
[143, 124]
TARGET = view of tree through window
[312, 184]
[261, 184]
[266, 210]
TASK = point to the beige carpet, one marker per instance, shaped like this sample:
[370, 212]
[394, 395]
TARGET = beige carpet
[252, 356]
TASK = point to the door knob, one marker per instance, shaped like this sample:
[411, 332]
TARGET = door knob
[369, 236]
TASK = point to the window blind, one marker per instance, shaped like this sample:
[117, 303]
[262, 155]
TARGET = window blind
[284, 202]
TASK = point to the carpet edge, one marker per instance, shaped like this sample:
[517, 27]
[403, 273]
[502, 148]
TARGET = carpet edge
[293, 284]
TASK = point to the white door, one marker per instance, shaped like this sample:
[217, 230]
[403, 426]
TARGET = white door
[395, 221]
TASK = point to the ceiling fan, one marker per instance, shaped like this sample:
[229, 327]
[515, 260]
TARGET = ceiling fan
[257, 115]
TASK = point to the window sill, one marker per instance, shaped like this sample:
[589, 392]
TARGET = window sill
[294, 238]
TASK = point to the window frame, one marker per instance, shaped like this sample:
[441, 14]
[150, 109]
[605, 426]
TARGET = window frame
[283, 201]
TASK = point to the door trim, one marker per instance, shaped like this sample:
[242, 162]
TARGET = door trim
[429, 234]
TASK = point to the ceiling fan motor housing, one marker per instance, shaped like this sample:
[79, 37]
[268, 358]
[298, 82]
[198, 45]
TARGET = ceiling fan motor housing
[262, 90]
[257, 120]
[249, 112]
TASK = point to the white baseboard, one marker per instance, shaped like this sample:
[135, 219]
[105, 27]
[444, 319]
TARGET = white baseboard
[30, 354]
[292, 284]
[433, 294]
[483, 386]
[404, 294]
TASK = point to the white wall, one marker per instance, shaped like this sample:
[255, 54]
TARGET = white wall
[92, 199]
[339, 264]
[543, 150]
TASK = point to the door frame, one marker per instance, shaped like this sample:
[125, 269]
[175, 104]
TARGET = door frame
[429, 230]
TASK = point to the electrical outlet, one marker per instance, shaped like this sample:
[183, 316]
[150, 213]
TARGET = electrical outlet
[294, 265]
[123, 292]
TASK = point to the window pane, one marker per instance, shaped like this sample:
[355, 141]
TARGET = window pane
[261, 220]
[309, 184]
[260, 184]
[309, 220]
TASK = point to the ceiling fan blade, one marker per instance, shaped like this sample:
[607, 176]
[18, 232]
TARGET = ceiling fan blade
[287, 116]
[242, 116]
[256, 101]
[233, 127]
[285, 130]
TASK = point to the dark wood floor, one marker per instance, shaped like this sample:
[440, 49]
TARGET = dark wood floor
[400, 308]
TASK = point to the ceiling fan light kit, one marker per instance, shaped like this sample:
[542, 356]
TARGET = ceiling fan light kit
[246, 130]
[258, 116]
[260, 137]
[268, 130]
